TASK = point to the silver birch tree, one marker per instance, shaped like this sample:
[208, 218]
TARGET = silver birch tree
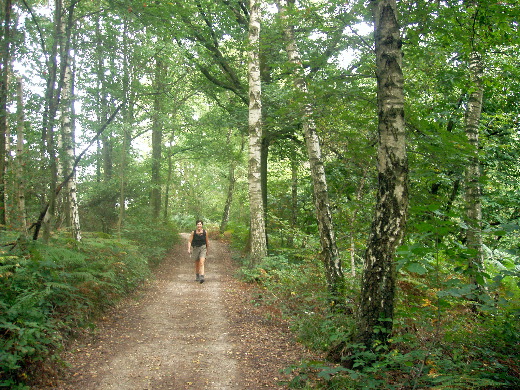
[256, 209]
[157, 136]
[20, 181]
[330, 253]
[472, 175]
[54, 84]
[4, 77]
[68, 141]
[379, 274]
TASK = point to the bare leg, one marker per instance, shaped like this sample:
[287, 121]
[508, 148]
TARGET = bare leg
[201, 265]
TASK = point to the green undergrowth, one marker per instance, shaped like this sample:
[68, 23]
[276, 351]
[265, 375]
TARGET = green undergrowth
[439, 341]
[50, 291]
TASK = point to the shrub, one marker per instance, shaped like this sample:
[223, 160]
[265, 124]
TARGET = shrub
[48, 291]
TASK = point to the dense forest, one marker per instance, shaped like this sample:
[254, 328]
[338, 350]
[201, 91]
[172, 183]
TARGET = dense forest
[361, 157]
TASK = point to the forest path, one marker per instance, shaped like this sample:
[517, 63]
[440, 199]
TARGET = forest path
[179, 334]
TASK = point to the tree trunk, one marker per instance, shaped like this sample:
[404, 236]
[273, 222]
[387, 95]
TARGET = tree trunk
[379, 273]
[4, 79]
[20, 187]
[330, 254]
[473, 191]
[127, 115]
[168, 178]
[352, 223]
[258, 237]
[68, 141]
[294, 198]
[157, 130]
[264, 159]
[229, 198]
[53, 97]
[231, 187]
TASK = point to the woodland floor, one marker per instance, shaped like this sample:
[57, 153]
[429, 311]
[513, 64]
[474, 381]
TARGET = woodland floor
[179, 334]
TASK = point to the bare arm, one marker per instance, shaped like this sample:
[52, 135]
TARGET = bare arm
[189, 242]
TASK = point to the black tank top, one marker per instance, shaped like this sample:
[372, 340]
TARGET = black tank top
[199, 239]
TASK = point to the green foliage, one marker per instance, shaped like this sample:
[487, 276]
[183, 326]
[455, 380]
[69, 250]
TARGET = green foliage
[269, 269]
[438, 341]
[394, 369]
[184, 222]
[240, 236]
[154, 239]
[48, 291]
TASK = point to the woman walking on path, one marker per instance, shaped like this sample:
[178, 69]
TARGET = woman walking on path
[198, 241]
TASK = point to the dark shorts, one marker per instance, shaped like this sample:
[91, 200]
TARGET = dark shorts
[198, 252]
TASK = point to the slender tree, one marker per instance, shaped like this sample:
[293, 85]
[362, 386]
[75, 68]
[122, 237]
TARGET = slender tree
[4, 78]
[330, 253]
[473, 191]
[258, 237]
[53, 91]
[157, 136]
[231, 185]
[472, 177]
[20, 180]
[127, 117]
[68, 142]
[379, 274]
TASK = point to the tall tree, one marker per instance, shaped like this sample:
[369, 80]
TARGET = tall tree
[330, 253]
[127, 117]
[4, 78]
[473, 190]
[58, 61]
[379, 274]
[20, 181]
[231, 186]
[68, 142]
[157, 136]
[256, 208]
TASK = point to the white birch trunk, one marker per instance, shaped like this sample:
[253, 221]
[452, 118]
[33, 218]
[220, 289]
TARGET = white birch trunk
[20, 187]
[258, 237]
[379, 274]
[473, 189]
[4, 80]
[331, 259]
[71, 199]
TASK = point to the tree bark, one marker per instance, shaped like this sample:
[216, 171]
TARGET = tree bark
[257, 224]
[294, 198]
[157, 130]
[4, 79]
[231, 187]
[127, 115]
[473, 191]
[68, 141]
[52, 101]
[38, 224]
[379, 273]
[20, 133]
[330, 254]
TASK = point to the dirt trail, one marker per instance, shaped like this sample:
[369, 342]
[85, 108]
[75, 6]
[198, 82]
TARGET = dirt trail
[179, 334]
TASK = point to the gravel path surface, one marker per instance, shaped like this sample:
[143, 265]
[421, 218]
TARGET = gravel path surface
[179, 334]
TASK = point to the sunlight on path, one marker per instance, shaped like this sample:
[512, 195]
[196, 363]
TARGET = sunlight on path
[178, 338]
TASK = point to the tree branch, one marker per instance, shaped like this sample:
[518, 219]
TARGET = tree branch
[38, 224]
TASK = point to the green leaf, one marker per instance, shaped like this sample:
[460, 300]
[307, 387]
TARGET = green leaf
[416, 267]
